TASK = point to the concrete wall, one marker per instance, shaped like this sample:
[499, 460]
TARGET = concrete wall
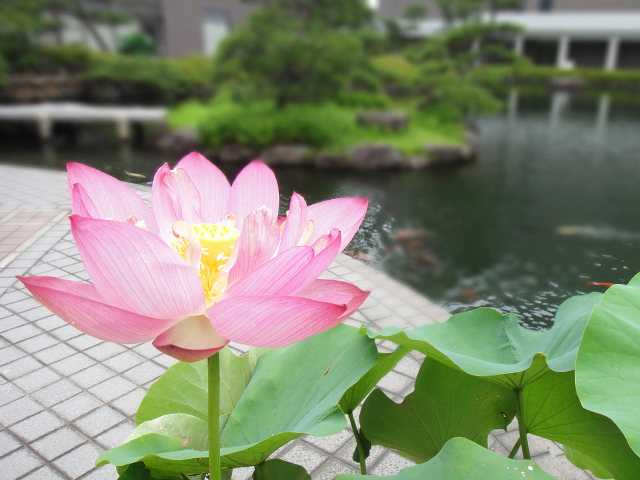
[395, 8]
[183, 22]
[586, 5]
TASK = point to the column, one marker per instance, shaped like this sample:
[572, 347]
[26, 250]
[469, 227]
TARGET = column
[602, 119]
[613, 50]
[123, 128]
[562, 60]
[518, 45]
[44, 127]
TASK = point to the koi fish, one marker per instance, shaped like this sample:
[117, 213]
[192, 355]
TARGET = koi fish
[599, 284]
[136, 175]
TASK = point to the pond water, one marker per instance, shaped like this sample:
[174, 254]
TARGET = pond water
[551, 204]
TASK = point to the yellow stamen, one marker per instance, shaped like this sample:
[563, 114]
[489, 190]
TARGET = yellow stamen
[217, 243]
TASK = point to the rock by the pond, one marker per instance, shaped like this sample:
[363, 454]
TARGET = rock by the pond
[443, 155]
[177, 142]
[236, 153]
[418, 162]
[392, 120]
[286, 154]
[375, 157]
[331, 161]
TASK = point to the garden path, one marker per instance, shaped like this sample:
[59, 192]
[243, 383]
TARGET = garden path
[66, 397]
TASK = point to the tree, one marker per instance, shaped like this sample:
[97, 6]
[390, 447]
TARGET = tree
[451, 65]
[331, 14]
[415, 11]
[20, 21]
[294, 51]
[471, 10]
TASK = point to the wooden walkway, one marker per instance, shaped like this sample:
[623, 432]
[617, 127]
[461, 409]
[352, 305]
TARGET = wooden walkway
[44, 114]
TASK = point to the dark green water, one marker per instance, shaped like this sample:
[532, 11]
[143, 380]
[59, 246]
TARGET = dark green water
[552, 203]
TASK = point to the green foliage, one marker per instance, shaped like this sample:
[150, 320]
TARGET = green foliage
[73, 57]
[324, 14]
[144, 79]
[451, 64]
[485, 343]
[445, 404]
[276, 469]
[527, 74]
[356, 394]
[259, 125]
[136, 43]
[608, 364]
[365, 100]
[415, 11]
[272, 57]
[461, 459]
[373, 42]
[278, 404]
[20, 21]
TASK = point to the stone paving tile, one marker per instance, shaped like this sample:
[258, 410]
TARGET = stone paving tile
[58, 443]
[65, 396]
[36, 426]
[19, 463]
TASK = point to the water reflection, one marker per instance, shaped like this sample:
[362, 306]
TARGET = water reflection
[550, 206]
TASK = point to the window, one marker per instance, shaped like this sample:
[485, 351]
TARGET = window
[546, 5]
[215, 27]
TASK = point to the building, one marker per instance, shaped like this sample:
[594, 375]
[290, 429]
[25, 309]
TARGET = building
[179, 27]
[562, 33]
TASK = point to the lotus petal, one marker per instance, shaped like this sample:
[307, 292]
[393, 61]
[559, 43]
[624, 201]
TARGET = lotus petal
[136, 271]
[80, 305]
[254, 187]
[345, 214]
[213, 186]
[295, 223]
[112, 198]
[175, 198]
[328, 290]
[269, 321]
[191, 340]
[81, 203]
[257, 244]
[275, 276]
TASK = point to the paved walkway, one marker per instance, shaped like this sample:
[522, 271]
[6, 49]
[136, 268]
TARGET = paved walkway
[66, 397]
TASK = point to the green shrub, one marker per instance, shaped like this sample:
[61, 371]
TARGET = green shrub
[144, 79]
[136, 43]
[364, 100]
[259, 125]
[74, 57]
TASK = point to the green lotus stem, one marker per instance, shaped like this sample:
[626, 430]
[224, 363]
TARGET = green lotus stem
[354, 427]
[515, 448]
[214, 421]
[526, 454]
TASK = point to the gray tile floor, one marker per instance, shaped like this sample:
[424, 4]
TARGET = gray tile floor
[66, 397]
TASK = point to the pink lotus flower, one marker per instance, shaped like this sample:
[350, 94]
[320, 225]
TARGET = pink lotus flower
[184, 275]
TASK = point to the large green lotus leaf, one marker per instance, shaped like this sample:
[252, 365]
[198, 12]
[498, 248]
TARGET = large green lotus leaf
[485, 343]
[280, 470]
[552, 410]
[356, 394]
[445, 404]
[583, 461]
[461, 459]
[172, 443]
[183, 387]
[608, 365]
[295, 391]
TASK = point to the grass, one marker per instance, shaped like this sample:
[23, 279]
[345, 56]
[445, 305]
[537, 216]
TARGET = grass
[396, 65]
[330, 128]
